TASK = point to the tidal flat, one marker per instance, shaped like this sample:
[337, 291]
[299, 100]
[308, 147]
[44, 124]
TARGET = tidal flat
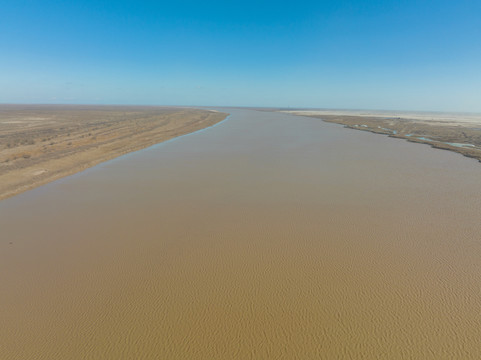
[268, 236]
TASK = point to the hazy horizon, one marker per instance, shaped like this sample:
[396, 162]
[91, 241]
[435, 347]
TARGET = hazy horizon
[282, 108]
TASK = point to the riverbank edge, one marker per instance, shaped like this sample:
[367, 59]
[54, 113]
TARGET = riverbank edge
[467, 152]
[56, 174]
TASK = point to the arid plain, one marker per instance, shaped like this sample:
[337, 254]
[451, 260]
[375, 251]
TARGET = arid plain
[268, 236]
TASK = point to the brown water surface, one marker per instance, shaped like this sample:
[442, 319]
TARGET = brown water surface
[268, 236]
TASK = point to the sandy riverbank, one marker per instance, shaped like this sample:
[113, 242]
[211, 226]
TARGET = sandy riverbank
[460, 133]
[42, 143]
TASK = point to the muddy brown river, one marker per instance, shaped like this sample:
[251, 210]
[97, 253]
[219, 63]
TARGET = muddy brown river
[267, 236]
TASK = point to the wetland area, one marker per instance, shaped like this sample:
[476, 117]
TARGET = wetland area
[458, 132]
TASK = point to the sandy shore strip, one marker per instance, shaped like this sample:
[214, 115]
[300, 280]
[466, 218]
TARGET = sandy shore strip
[42, 143]
[456, 132]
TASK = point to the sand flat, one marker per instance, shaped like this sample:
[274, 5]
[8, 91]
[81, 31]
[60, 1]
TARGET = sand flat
[438, 118]
[268, 236]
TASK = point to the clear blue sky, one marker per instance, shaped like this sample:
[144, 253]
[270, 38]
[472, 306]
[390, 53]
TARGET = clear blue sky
[377, 54]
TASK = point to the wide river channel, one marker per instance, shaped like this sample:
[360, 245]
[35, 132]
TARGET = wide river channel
[267, 236]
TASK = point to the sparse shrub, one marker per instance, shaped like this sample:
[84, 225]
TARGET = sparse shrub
[27, 156]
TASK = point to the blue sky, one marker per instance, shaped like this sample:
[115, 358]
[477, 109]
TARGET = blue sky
[404, 55]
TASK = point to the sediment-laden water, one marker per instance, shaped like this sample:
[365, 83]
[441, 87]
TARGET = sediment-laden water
[268, 236]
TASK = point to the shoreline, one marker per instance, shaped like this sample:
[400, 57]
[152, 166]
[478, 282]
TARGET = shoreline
[461, 137]
[41, 144]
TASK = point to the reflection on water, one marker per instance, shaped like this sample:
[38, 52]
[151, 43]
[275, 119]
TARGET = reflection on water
[266, 236]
